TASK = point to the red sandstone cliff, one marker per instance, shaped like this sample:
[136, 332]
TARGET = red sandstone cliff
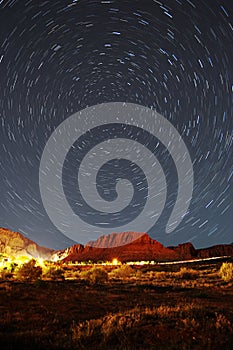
[142, 248]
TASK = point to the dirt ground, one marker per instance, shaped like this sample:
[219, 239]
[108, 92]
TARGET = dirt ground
[188, 313]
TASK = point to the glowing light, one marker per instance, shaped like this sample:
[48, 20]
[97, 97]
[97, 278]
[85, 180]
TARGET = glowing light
[40, 262]
[20, 260]
[115, 262]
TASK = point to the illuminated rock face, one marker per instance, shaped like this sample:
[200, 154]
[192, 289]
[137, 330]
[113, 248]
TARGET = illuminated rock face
[115, 239]
[15, 244]
[142, 248]
[71, 251]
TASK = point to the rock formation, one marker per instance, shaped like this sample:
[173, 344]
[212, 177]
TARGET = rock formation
[15, 244]
[125, 246]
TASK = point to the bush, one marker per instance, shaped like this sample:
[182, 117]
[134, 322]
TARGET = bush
[4, 274]
[54, 274]
[29, 271]
[226, 271]
[95, 275]
[123, 271]
[160, 275]
[187, 273]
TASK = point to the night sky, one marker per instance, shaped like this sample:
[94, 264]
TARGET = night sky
[59, 57]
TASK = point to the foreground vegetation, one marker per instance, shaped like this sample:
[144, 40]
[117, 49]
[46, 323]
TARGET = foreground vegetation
[50, 306]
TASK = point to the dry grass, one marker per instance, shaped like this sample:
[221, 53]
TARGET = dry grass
[122, 328]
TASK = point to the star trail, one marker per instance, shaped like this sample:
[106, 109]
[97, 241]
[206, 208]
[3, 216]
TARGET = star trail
[60, 57]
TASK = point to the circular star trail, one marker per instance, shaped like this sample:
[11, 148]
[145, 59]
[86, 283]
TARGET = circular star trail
[59, 57]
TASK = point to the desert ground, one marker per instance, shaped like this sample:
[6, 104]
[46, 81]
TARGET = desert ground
[118, 307]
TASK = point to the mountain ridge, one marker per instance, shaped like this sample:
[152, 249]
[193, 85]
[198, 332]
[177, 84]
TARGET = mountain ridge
[142, 248]
[136, 247]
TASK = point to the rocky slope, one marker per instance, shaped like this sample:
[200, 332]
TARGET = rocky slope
[15, 244]
[185, 251]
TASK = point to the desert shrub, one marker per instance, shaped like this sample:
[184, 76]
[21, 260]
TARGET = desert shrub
[139, 274]
[29, 271]
[123, 271]
[5, 274]
[72, 274]
[95, 275]
[149, 275]
[54, 274]
[187, 273]
[226, 271]
[103, 328]
[160, 275]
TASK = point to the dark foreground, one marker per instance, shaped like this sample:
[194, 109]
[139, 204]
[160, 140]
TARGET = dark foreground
[146, 309]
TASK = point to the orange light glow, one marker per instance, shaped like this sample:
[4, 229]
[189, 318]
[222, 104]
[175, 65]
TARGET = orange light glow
[115, 262]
